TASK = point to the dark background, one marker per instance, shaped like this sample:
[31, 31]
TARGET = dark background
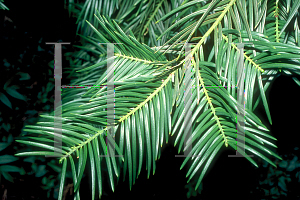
[234, 178]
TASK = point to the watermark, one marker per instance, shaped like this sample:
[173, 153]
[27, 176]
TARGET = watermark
[187, 123]
[57, 99]
[110, 102]
[240, 125]
[240, 101]
[58, 103]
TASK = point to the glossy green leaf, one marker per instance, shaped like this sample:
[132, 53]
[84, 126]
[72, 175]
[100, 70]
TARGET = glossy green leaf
[5, 100]
[12, 92]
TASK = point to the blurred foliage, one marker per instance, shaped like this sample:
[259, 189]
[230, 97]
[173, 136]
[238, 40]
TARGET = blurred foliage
[26, 90]
[2, 6]
[280, 183]
[12, 89]
[191, 188]
[6, 160]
